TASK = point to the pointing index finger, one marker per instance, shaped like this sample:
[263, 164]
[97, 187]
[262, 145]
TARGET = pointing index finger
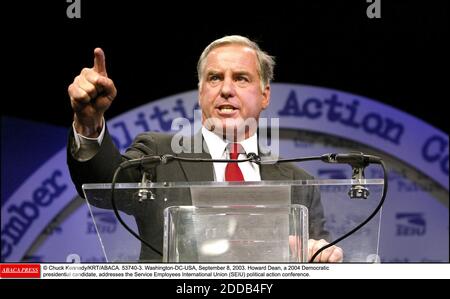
[99, 62]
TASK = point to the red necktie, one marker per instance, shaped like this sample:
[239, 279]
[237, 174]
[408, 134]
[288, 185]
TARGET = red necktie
[232, 172]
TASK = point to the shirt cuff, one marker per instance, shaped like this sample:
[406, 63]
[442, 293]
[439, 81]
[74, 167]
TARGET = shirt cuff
[80, 139]
[86, 147]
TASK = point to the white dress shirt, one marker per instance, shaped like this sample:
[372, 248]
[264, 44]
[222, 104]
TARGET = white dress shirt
[218, 150]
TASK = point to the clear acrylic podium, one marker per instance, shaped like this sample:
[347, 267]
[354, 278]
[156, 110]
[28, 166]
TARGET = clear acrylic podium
[264, 221]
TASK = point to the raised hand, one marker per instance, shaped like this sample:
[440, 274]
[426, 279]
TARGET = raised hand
[91, 94]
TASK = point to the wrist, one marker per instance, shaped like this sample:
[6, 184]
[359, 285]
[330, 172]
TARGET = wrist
[90, 129]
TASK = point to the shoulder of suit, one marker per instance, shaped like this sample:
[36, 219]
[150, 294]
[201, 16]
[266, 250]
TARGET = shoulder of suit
[149, 143]
[155, 140]
[154, 137]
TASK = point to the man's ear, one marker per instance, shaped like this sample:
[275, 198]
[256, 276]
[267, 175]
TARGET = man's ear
[265, 97]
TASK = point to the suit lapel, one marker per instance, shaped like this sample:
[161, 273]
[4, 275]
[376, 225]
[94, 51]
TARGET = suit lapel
[196, 171]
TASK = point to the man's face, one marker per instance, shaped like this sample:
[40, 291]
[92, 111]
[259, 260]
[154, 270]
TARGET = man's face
[230, 90]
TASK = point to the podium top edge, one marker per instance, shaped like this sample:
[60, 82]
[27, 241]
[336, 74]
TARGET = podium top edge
[261, 184]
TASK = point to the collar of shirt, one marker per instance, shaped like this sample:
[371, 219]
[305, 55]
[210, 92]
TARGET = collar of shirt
[250, 144]
[217, 145]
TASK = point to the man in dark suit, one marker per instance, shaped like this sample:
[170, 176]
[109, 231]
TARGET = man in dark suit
[234, 87]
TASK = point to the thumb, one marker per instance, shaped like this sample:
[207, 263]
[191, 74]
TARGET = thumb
[99, 62]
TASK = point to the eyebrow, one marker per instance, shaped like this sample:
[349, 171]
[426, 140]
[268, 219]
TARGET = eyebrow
[243, 73]
[215, 72]
[212, 72]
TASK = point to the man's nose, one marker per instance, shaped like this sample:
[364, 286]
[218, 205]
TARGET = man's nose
[227, 90]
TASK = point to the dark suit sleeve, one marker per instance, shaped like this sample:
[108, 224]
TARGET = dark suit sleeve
[100, 168]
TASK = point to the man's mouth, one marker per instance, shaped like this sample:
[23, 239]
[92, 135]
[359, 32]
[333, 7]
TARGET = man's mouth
[226, 109]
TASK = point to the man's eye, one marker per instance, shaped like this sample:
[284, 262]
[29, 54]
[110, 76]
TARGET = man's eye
[214, 78]
[242, 79]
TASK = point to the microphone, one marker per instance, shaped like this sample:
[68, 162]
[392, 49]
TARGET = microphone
[358, 161]
[254, 157]
[143, 162]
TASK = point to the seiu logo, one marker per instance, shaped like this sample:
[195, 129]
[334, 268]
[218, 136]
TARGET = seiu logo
[106, 223]
[410, 224]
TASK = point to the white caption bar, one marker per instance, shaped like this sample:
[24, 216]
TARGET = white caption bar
[244, 271]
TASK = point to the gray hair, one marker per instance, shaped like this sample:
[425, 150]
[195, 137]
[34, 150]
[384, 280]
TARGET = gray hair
[265, 65]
